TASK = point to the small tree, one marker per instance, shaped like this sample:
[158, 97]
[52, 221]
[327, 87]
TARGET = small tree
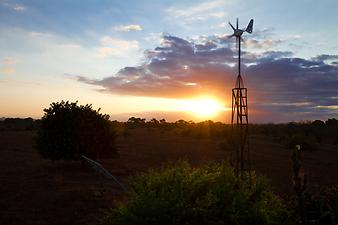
[69, 130]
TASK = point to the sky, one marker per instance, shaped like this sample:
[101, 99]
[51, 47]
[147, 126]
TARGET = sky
[170, 59]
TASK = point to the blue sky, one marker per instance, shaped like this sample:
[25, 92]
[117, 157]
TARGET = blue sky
[81, 50]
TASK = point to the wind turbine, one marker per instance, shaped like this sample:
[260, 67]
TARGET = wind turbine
[239, 115]
[238, 34]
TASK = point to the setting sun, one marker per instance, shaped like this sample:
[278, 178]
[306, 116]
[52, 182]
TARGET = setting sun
[203, 107]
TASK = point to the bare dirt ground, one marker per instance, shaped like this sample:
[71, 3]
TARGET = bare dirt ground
[38, 191]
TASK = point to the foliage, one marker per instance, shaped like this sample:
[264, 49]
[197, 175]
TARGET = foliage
[311, 133]
[69, 130]
[18, 124]
[311, 205]
[322, 205]
[135, 122]
[210, 194]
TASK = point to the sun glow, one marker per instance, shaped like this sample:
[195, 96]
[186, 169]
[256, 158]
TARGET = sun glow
[205, 108]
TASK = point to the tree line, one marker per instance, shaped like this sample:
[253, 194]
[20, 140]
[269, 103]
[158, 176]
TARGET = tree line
[68, 130]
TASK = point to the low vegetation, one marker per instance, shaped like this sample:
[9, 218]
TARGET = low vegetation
[308, 134]
[210, 194]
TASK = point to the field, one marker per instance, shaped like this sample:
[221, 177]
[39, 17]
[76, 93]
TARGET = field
[38, 191]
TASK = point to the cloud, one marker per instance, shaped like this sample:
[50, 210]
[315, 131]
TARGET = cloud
[171, 68]
[7, 70]
[127, 28]
[197, 9]
[261, 44]
[154, 37]
[19, 8]
[13, 6]
[279, 83]
[263, 33]
[34, 52]
[9, 61]
[326, 57]
[112, 47]
[202, 11]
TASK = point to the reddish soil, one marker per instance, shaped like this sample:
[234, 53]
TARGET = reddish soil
[38, 191]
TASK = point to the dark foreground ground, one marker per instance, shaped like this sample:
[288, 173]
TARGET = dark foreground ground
[37, 191]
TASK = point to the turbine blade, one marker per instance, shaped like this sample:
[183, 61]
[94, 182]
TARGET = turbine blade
[237, 23]
[250, 26]
[232, 26]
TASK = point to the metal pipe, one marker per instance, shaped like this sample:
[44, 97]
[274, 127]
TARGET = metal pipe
[98, 167]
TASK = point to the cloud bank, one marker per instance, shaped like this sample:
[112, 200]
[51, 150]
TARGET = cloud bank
[280, 85]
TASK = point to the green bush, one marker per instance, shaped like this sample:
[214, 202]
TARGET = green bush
[210, 194]
[68, 131]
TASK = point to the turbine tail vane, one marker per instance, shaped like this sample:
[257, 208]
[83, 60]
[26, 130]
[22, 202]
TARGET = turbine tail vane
[250, 26]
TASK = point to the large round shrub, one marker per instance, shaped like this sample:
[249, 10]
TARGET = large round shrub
[210, 194]
[69, 130]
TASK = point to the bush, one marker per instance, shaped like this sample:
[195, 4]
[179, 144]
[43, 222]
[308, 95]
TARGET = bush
[321, 205]
[68, 131]
[210, 194]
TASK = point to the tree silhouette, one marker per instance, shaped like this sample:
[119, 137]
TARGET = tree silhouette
[135, 122]
[69, 131]
[162, 121]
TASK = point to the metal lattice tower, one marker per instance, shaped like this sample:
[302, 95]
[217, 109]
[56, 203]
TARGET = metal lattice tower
[239, 115]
